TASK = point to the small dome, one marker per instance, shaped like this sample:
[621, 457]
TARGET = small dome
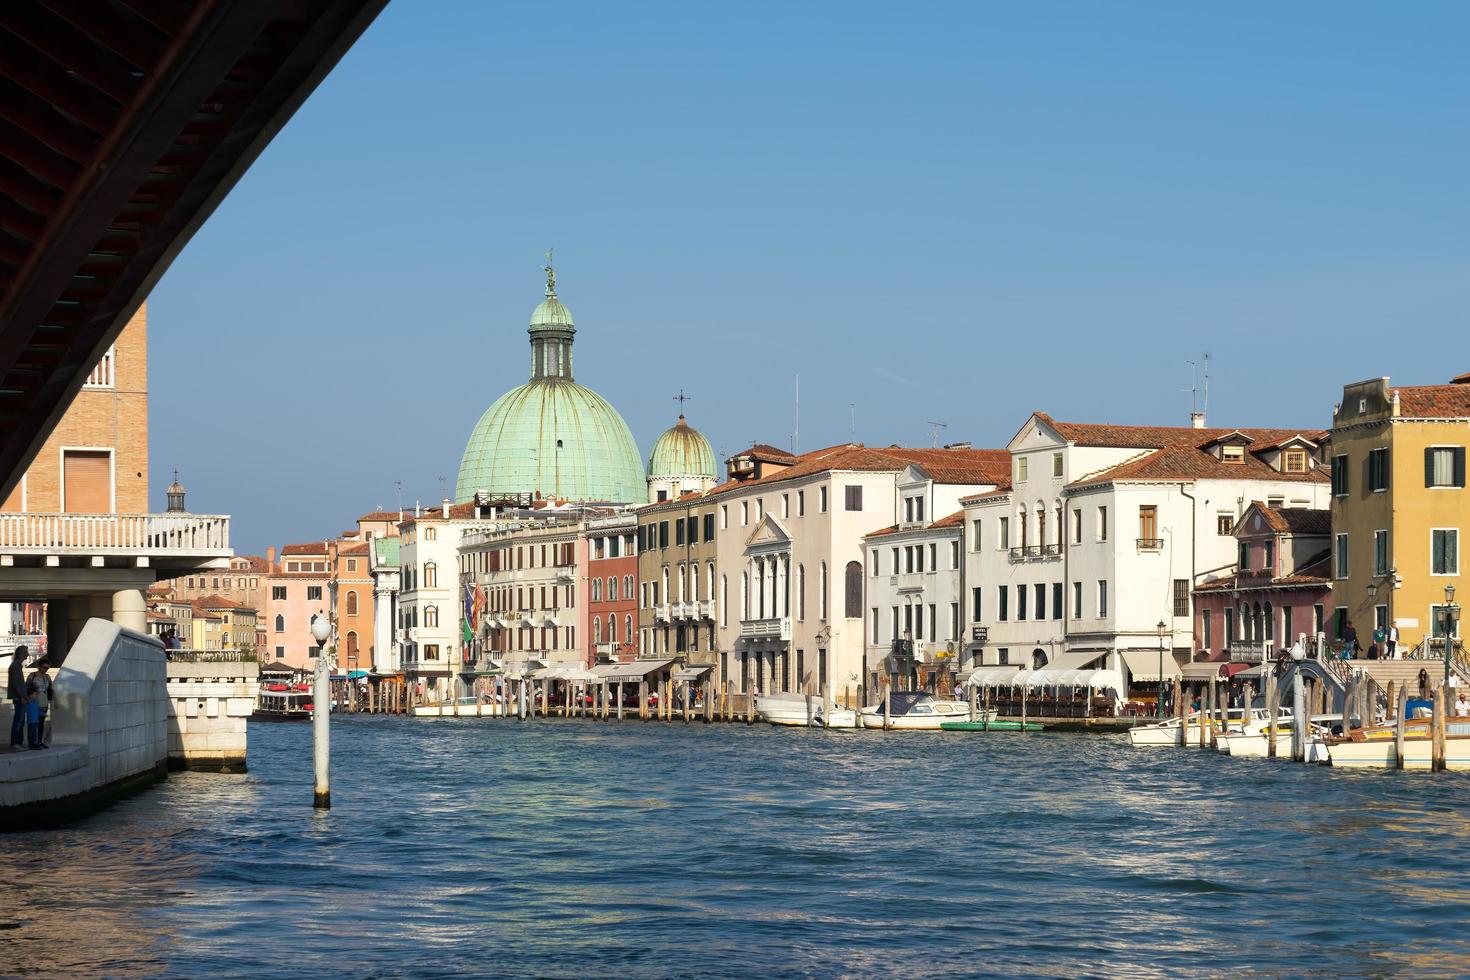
[551, 313]
[682, 451]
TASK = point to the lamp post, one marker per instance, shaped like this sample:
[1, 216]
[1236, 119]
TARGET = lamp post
[1159, 708]
[321, 712]
[1449, 632]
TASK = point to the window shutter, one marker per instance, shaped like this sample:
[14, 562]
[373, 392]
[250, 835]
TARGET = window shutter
[1429, 467]
[1460, 466]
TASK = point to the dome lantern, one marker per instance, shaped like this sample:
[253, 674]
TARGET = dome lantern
[175, 495]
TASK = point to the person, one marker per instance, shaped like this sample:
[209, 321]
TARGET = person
[1462, 705]
[15, 689]
[1423, 683]
[40, 694]
[1393, 642]
[1349, 641]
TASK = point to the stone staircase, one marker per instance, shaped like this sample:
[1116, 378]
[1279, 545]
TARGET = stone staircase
[1403, 672]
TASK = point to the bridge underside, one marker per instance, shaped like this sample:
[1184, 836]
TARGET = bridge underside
[123, 123]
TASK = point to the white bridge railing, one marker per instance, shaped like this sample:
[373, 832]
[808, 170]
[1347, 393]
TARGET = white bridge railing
[100, 533]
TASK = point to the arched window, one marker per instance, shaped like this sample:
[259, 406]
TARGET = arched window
[612, 587]
[351, 643]
[628, 628]
[431, 534]
[280, 623]
[352, 602]
[431, 575]
[801, 592]
[431, 616]
[744, 595]
[597, 590]
[1038, 658]
[1021, 525]
[822, 593]
[612, 629]
[693, 580]
[854, 597]
[627, 587]
[596, 628]
[724, 600]
[709, 581]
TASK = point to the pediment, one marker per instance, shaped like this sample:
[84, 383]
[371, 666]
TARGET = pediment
[768, 534]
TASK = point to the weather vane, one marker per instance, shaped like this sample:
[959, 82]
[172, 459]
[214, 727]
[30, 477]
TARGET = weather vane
[550, 274]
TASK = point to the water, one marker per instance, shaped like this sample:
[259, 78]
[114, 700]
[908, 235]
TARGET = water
[587, 849]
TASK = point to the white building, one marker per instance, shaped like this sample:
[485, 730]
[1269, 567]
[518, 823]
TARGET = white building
[1106, 530]
[384, 566]
[789, 540]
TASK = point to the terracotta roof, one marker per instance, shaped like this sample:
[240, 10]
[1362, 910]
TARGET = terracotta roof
[762, 451]
[1306, 520]
[991, 466]
[957, 519]
[356, 548]
[257, 563]
[1184, 462]
[1317, 436]
[1163, 436]
[1435, 401]
[382, 516]
[890, 529]
[318, 548]
[217, 602]
[1461, 379]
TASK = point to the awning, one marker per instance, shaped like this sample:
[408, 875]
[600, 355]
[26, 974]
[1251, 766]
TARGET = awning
[354, 675]
[637, 670]
[693, 673]
[1074, 661]
[1143, 665]
[1249, 673]
[1201, 670]
[993, 676]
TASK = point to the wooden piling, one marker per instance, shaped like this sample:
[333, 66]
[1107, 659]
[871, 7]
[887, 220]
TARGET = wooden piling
[749, 708]
[974, 696]
[1023, 707]
[1398, 730]
[1349, 703]
[887, 720]
[1273, 713]
[986, 709]
[1215, 711]
[1436, 731]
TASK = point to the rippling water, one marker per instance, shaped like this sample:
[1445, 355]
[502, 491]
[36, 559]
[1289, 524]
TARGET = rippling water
[582, 848]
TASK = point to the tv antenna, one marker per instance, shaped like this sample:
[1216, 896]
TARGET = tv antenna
[852, 422]
[934, 428]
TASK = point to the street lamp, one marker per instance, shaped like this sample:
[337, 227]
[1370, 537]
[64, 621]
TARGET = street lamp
[1449, 632]
[1159, 709]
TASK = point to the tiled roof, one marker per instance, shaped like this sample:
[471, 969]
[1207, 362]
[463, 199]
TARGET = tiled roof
[1313, 436]
[976, 498]
[382, 516]
[1305, 520]
[943, 465]
[957, 519]
[318, 548]
[1434, 401]
[1105, 436]
[257, 563]
[217, 602]
[890, 529]
[356, 548]
[762, 451]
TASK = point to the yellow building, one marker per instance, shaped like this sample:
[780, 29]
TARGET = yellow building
[222, 624]
[1400, 508]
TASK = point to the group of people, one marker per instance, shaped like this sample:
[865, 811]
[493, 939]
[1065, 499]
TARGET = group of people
[1385, 644]
[32, 697]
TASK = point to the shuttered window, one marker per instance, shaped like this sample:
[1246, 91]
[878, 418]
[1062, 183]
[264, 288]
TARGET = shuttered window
[87, 482]
[854, 588]
[1444, 466]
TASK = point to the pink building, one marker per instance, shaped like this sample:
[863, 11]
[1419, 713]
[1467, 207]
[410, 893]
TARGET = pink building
[296, 588]
[1280, 588]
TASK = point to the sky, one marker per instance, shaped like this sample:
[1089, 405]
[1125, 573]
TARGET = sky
[936, 212]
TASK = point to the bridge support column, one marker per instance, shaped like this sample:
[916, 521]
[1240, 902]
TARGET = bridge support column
[129, 610]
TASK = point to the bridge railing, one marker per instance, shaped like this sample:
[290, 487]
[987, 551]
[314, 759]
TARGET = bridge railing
[103, 533]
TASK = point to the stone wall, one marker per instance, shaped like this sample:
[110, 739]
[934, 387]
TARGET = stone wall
[209, 706]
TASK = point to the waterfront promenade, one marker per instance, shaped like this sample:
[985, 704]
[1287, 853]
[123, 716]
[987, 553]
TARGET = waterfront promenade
[564, 848]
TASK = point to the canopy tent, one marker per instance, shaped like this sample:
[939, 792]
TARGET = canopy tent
[1143, 665]
[1035, 680]
[693, 673]
[356, 675]
[1074, 661]
[636, 670]
[1201, 670]
[564, 672]
[990, 676]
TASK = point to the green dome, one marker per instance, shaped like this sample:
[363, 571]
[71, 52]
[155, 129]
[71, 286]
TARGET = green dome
[682, 451]
[552, 436]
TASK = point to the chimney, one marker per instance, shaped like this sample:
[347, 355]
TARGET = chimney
[1196, 420]
[445, 505]
[270, 558]
[418, 509]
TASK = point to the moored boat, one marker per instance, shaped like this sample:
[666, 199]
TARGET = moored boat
[283, 702]
[465, 707]
[916, 711]
[792, 710]
[993, 725]
[1373, 747]
[1167, 732]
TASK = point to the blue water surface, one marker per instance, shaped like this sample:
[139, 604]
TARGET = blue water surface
[580, 848]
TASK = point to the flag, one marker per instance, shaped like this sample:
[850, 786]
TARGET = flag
[464, 622]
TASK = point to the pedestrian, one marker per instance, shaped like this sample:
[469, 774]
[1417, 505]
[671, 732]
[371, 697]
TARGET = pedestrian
[1423, 683]
[1393, 642]
[40, 694]
[1462, 705]
[15, 689]
[1349, 641]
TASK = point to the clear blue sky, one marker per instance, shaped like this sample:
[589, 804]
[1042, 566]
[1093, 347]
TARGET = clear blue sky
[960, 212]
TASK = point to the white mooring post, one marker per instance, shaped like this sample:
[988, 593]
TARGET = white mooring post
[321, 716]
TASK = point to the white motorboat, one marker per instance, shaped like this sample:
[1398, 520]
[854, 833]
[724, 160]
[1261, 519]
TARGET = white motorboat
[792, 710]
[918, 711]
[1167, 732]
[1373, 747]
[465, 707]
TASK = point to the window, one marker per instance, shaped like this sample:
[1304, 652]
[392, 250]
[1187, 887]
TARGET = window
[1224, 525]
[822, 501]
[1102, 523]
[431, 617]
[801, 590]
[1076, 600]
[431, 651]
[314, 592]
[1268, 556]
[1148, 526]
[351, 602]
[724, 516]
[709, 527]
[1021, 469]
[1317, 612]
[801, 503]
[678, 532]
[933, 623]
[975, 535]
[1340, 554]
[744, 513]
[1380, 552]
[852, 498]
[875, 625]
[1181, 597]
[1021, 594]
[1296, 461]
[1377, 470]
[1077, 526]
[1444, 466]
[663, 533]
[760, 508]
[933, 558]
[1229, 635]
[1102, 597]
[1339, 622]
[1243, 559]
[785, 505]
[1204, 618]
[431, 575]
[597, 590]
[1003, 656]
[1056, 464]
[1339, 476]
[1233, 453]
[977, 604]
[351, 645]
[280, 623]
[822, 585]
[1056, 600]
[954, 554]
[954, 620]
[280, 653]
[1040, 601]
[1004, 534]
[1444, 551]
[1002, 611]
[278, 592]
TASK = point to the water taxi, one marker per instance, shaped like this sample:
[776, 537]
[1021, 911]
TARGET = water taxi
[1372, 747]
[917, 711]
[283, 702]
[1167, 732]
[465, 707]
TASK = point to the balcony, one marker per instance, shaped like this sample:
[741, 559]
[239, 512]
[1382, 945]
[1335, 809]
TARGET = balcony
[1251, 651]
[766, 629]
[1150, 544]
[908, 581]
[566, 573]
[136, 540]
[684, 610]
[1035, 552]
[663, 613]
[706, 609]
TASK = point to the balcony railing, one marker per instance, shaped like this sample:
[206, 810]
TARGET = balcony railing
[1035, 552]
[1150, 544]
[1251, 651]
[663, 613]
[766, 629]
[683, 610]
[153, 534]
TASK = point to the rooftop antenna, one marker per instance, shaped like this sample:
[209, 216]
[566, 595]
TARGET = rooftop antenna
[1206, 407]
[934, 428]
[441, 486]
[852, 422]
[796, 418]
[1193, 389]
[399, 485]
[681, 398]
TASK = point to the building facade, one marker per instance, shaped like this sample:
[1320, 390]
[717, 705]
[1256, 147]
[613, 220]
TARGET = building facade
[611, 588]
[916, 621]
[1399, 506]
[677, 569]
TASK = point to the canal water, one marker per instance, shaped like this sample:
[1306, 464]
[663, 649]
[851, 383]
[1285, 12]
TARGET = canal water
[572, 848]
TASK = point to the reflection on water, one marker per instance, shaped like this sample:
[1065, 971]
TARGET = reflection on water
[573, 848]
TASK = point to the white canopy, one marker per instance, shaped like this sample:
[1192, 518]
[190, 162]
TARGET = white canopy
[1035, 680]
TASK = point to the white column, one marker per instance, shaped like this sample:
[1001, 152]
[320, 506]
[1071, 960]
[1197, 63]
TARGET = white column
[130, 611]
